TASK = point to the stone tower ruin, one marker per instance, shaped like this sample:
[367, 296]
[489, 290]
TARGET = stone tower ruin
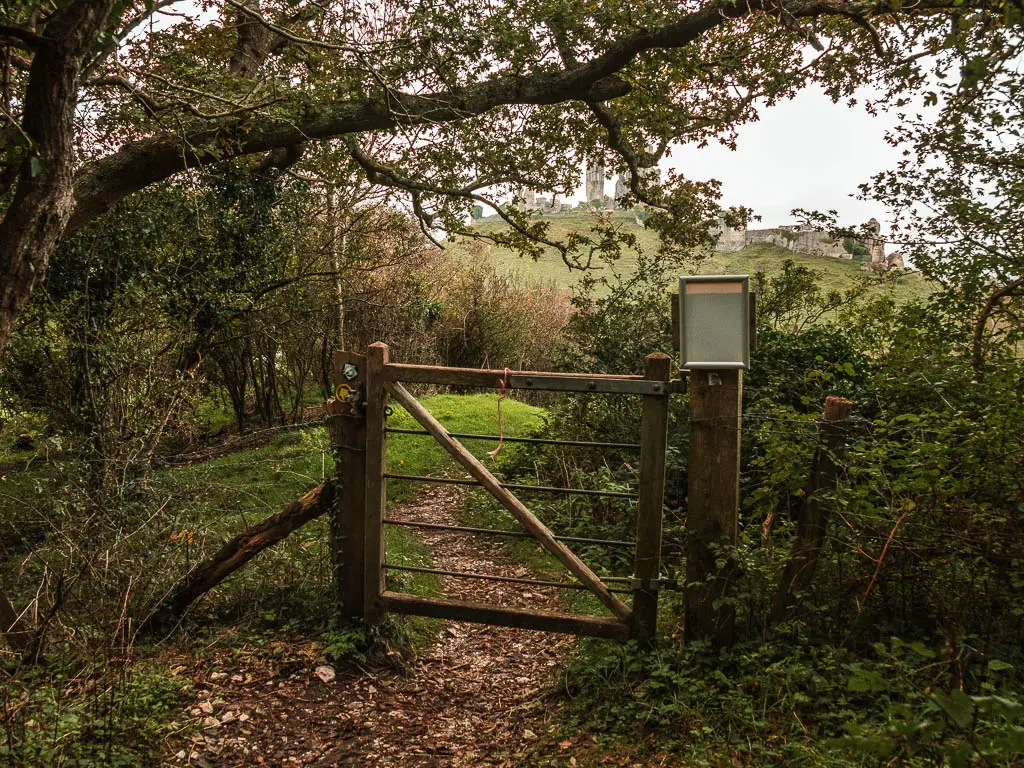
[595, 180]
[876, 244]
[621, 186]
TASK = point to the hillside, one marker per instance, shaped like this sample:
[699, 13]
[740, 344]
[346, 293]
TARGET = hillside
[835, 273]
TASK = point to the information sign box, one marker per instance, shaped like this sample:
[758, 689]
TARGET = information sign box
[714, 321]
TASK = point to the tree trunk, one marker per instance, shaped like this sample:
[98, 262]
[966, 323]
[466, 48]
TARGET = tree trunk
[45, 196]
[337, 255]
[237, 552]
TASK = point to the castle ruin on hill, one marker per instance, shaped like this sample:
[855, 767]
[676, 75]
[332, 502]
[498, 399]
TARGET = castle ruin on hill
[811, 241]
[594, 194]
[594, 191]
[797, 238]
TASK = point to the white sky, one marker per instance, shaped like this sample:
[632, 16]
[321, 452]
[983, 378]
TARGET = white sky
[805, 153]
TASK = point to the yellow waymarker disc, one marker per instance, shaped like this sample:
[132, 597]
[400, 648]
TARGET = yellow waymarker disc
[341, 393]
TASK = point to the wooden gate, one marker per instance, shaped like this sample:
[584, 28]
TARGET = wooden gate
[364, 386]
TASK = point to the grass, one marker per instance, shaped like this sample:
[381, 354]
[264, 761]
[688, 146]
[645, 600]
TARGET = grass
[838, 274]
[194, 509]
[475, 414]
[81, 716]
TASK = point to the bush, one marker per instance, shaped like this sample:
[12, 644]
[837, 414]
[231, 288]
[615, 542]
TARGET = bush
[97, 714]
[795, 701]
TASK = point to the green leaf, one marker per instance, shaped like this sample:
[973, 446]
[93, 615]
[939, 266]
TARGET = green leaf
[958, 707]
[921, 650]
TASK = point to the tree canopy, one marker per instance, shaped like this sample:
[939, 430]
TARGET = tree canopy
[450, 103]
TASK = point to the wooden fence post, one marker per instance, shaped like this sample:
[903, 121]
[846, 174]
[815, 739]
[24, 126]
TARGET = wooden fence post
[376, 487]
[348, 436]
[812, 526]
[716, 398]
[650, 506]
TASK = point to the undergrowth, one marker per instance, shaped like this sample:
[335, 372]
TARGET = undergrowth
[792, 701]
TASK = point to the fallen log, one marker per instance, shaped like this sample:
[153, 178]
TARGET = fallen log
[236, 553]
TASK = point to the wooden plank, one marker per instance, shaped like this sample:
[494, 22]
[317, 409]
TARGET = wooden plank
[518, 510]
[574, 383]
[351, 514]
[338, 360]
[521, 618]
[529, 380]
[653, 446]
[376, 488]
[713, 500]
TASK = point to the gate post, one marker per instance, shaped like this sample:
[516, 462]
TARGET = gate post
[650, 506]
[348, 437]
[713, 499]
[376, 487]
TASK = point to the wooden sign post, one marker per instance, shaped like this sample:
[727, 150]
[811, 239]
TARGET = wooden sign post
[347, 420]
[650, 506]
[713, 492]
[715, 332]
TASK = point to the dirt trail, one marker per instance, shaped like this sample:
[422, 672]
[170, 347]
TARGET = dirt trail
[462, 702]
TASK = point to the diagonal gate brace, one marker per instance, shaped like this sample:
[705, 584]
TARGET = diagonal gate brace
[518, 510]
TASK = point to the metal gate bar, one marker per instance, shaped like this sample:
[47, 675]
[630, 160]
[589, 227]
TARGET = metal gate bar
[490, 577]
[530, 440]
[514, 486]
[510, 534]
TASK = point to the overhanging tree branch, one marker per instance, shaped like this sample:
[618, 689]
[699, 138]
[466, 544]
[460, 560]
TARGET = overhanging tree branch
[381, 174]
[1016, 288]
[48, 200]
[147, 161]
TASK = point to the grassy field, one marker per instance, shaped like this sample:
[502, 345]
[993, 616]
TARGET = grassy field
[835, 273]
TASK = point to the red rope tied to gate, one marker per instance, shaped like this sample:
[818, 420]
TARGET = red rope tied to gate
[501, 396]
